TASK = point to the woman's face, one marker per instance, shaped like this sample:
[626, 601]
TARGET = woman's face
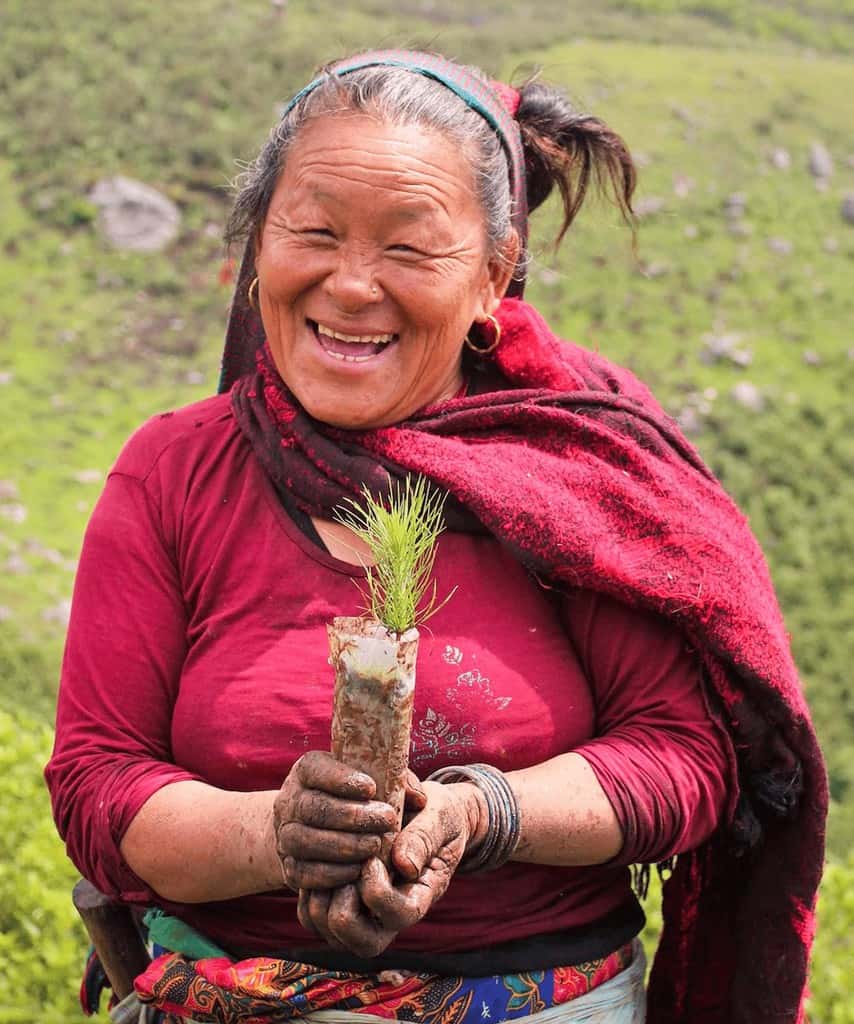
[372, 265]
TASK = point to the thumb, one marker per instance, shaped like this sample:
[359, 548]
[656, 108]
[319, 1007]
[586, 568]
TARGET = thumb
[416, 798]
[420, 841]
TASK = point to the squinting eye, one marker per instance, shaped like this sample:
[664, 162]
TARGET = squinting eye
[319, 232]
[406, 250]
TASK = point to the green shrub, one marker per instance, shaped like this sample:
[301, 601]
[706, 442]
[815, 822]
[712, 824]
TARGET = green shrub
[42, 943]
[832, 977]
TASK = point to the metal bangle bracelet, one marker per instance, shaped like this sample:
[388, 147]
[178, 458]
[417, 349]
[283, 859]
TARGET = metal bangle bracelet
[503, 821]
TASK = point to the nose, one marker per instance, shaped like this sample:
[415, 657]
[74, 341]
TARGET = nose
[351, 284]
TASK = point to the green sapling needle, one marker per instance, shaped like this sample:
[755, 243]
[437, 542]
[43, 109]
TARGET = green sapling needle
[401, 532]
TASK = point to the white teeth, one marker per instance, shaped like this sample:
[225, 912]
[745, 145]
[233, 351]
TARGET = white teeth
[350, 359]
[359, 339]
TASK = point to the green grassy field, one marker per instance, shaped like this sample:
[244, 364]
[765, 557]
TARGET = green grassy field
[92, 340]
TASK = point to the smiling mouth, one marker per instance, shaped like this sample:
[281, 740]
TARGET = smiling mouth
[350, 348]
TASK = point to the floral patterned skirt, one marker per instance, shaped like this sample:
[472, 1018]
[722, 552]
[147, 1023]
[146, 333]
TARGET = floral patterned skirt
[262, 990]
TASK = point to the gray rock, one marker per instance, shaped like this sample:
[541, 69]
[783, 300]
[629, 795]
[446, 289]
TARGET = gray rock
[782, 246]
[59, 613]
[133, 215]
[735, 205]
[655, 268]
[14, 512]
[718, 348]
[683, 186]
[34, 547]
[740, 228]
[649, 206]
[89, 476]
[690, 420]
[16, 565]
[780, 158]
[847, 208]
[820, 161]
[748, 396]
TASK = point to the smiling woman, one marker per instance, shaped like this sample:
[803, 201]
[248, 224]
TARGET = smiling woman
[611, 684]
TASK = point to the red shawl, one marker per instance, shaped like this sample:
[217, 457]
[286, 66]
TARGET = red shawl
[574, 466]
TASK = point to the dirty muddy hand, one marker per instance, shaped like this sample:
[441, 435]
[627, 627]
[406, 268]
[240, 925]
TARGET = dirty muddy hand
[366, 918]
[327, 823]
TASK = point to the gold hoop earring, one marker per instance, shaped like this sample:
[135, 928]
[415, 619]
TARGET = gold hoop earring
[479, 349]
[251, 294]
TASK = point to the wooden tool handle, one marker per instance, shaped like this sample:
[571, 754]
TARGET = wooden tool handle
[114, 935]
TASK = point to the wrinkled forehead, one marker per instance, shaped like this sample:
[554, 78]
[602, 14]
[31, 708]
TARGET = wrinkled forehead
[335, 154]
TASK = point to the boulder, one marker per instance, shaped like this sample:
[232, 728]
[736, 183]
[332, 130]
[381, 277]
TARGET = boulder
[780, 158]
[820, 161]
[735, 205]
[782, 246]
[748, 396]
[725, 347]
[649, 206]
[134, 216]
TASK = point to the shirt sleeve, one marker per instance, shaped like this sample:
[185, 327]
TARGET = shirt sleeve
[121, 669]
[663, 758]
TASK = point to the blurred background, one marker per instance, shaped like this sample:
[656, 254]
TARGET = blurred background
[121, 127]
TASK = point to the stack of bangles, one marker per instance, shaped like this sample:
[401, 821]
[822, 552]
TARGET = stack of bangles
[504, 822]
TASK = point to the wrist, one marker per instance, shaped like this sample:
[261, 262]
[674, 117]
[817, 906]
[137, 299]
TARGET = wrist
[263, 861]
[476, 813]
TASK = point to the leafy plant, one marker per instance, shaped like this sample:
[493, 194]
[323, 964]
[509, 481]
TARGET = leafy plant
[401, 534]
[42, 942]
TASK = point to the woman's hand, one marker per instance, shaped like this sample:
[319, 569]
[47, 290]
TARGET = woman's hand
[366, 918]
[327, 823]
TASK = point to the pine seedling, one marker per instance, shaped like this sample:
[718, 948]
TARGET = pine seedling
[401, 532]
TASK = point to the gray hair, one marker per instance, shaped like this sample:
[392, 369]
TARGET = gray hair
[400, 97]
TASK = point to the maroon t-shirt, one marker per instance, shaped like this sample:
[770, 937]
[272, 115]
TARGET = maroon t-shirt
[197, 649]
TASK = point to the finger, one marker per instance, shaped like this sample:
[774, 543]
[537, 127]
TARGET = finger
[402, 906]
[437, 876]
[395, 907]
[319, 770]
[416, 797]
[353, 928]
[294, 839]
[303, 915]
[320, 810]
[315, 874]
[316, 911]
[418, 843]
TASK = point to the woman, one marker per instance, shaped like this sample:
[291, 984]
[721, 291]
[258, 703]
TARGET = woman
[614, 655]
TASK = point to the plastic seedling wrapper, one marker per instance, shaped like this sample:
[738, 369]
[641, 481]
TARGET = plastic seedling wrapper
[372, 711]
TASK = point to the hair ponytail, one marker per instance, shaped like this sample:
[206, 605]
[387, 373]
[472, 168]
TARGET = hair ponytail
[569, 150]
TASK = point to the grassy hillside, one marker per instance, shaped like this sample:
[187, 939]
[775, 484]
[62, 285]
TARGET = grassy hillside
[740, 255]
